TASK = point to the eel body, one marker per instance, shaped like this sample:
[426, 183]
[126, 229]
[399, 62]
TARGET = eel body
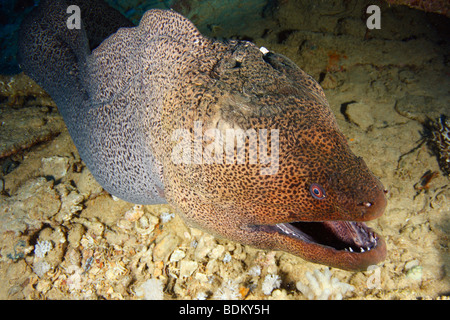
[152, 111]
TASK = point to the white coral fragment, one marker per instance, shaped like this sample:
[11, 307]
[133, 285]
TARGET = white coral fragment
[134, 213]
[271, 281]
[228, 291]
[201, 296]
[151, 289]
[255, 271]
[42, 247]
[166, 216]
[227, 258]
[41, 267]
[323, 287]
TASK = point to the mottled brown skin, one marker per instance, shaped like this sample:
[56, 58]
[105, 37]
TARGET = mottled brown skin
[235, 200]
[123, 101]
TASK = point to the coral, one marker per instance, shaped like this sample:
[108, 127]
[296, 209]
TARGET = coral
[228, 291]
[151, 289]
[217, 252]
[146, 224]
[42, 247]
[134, 213]
[166, 216]
[41, 267]
[201, 296]
[56, 167]
[187, 268]
[34, 202]
[255, 271]
[74, 281]
[226, 258]
[18, 251]
[271, 281]
[204, 246]
[334, 61]
[323, 287]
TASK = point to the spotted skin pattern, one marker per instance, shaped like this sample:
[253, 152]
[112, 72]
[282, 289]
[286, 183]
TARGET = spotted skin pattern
[123, 102]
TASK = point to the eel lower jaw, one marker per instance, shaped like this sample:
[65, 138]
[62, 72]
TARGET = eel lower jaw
[346, 245]
[354, 237]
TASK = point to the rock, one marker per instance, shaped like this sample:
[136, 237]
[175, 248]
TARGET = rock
[187, 268]
[146, 224]
[204, 246]
[75, 234]
[415, 273]
[55, 167]
[35, 202]
[412, 107]
[407, 76]
[134, 213]
[217, 252]
[71, 202]
[360, 114]
[87, 184]
[165, 247]
[177, 255]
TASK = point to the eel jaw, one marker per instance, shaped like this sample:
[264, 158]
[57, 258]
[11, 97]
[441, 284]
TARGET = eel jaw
[339, 235]
[343, 244]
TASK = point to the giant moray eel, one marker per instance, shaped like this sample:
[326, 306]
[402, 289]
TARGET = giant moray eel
[124, 101]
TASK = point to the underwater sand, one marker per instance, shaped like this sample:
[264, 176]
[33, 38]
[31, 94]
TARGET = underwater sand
[63, 237]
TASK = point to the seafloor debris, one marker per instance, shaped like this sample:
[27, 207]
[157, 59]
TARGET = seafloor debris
[42, 247]
[425, 180]
[21, 90]
[439, 140]
[323, 287]
[228, 291]
[28, 116]
[17, 254]
[271, 282]
[41, 267]
[151, 289]
[25, 127]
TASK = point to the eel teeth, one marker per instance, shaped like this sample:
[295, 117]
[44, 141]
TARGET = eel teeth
[349, 249]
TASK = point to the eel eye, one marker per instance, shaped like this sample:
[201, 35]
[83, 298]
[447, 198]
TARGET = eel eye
[317, 191]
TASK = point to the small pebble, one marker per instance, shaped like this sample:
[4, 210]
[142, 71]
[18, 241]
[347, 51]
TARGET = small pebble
[415, 273]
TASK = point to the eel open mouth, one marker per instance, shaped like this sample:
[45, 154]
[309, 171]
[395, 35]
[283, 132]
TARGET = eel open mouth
[340, 235]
